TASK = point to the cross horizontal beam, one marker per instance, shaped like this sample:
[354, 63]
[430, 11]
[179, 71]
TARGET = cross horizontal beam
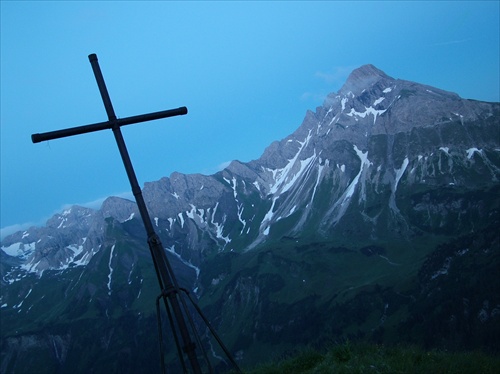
[37, 138]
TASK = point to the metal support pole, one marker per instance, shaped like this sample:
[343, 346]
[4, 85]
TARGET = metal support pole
[158, 253]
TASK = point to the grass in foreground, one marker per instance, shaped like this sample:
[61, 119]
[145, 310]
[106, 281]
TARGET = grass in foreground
[347, 358]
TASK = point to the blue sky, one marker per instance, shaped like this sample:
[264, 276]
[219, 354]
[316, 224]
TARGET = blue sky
[247, 71]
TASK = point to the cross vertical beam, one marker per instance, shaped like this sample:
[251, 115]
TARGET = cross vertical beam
[166, 276]
[168, 283]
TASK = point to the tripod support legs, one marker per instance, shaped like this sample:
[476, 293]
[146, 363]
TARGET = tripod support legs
[165, 295]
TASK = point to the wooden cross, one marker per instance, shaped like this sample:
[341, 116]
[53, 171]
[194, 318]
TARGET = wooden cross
[166, 278]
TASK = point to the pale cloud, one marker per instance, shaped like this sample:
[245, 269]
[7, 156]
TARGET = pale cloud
[96, 204]
[334, 78]
[451, 42]
[8, 230]
[223, 165]
[335, 75]
[314, 96]
[216, 169]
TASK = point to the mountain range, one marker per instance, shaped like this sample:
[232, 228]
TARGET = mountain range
[376, 220]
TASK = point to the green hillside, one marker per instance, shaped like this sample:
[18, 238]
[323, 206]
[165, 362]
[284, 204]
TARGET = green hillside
[364, 358]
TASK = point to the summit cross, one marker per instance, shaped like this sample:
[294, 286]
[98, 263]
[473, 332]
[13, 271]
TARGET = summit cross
[170, 291]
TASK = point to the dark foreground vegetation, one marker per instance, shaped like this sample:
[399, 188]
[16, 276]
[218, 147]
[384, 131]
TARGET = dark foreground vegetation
[370, 358]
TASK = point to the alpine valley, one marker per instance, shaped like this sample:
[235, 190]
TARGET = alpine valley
[376, 220]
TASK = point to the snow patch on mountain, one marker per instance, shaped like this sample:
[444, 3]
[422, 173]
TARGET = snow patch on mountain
[197, 215]
[363, 156]
[284, 178]
[110, 269]
[240, 217]
[321, 167]
[171, 222]
[219, 228]
[267, 218]
[181, 218]
[187, 263]
[131, 217]
[368, 111]
[470, 152]
[400, 172]
[338, 209]
[445, 150]
[20, 250]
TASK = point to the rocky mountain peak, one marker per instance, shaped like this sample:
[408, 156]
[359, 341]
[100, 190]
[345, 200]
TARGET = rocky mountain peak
[118, 208]
[72, 217]
[362, 78]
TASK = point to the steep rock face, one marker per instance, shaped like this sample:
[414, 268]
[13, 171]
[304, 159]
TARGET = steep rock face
[331, 224]
[375, 135]
[120, 209]
[67, 238]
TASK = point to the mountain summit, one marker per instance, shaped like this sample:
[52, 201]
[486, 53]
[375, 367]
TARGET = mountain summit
[376, 219]
[362, 78]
